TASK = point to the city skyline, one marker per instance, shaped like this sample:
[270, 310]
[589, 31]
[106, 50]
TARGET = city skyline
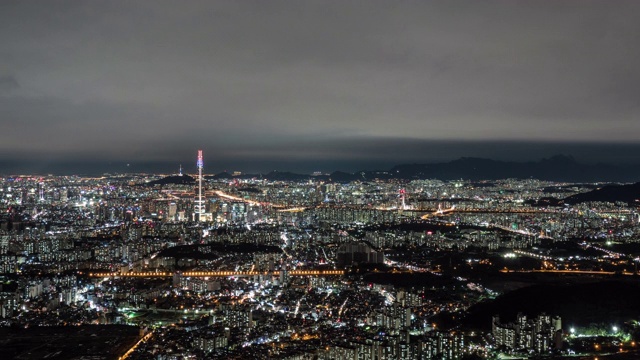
[306, 86]
[319, 179]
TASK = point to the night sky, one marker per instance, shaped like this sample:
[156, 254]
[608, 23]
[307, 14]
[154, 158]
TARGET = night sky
[315, 85]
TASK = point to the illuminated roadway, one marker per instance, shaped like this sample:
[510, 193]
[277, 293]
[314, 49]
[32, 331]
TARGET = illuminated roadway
[286, 208]
[133, 348]
[533, 255]
[226, 196]
[438, 212]
[453, 209]
[577, 272]
[429, 212]
[219, 273]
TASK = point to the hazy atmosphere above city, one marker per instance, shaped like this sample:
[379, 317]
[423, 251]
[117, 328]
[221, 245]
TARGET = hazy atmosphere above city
[315, 85]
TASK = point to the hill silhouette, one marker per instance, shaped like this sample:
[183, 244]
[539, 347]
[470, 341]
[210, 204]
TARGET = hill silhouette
[579, 304]
[173, 180]
[611, 193]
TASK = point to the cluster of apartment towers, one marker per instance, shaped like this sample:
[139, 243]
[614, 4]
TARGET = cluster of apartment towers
[540, 334]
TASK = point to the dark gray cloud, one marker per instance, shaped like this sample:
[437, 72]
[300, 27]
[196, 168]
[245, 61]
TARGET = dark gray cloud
[8, 83]
[285, 81]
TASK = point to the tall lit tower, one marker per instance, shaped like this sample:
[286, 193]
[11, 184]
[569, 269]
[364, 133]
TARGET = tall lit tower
[199, 207]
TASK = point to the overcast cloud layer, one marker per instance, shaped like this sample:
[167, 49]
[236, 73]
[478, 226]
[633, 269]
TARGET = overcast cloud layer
[354, 83]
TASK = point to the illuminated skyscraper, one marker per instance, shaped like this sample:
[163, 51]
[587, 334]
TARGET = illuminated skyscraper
[199, 208]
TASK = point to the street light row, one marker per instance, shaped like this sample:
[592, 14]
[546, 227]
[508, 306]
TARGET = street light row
[218, 273]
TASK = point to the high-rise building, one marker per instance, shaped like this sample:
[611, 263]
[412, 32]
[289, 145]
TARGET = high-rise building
[540, 334]
[199, 203]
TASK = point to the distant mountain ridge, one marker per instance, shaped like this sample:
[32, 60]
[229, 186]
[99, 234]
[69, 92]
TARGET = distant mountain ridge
[556, 168]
